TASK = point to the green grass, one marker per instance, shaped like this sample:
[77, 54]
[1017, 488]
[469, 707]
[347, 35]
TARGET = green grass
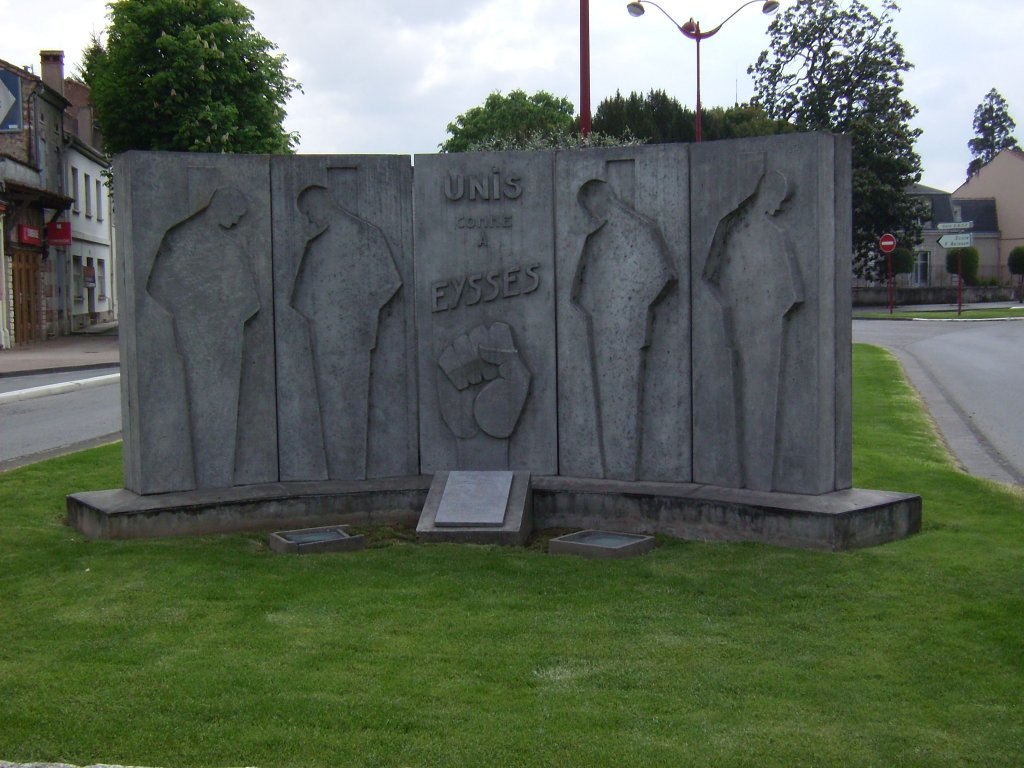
[212, 651]
[967, 314]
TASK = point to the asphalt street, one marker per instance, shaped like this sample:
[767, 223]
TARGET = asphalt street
[971, 376]
[48, 426]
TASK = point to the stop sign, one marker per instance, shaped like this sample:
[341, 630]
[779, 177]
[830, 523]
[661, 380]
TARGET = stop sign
[887, 243]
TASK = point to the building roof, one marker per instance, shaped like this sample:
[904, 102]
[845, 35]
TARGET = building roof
[921, 189]
[939, 206]
[944, 208]
[982, 211]
[21, 71]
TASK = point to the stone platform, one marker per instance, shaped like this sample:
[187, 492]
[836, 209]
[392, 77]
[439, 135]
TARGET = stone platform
[835, 521]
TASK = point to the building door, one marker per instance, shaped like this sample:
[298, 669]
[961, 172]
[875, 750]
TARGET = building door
[26, 296]
[922, 268]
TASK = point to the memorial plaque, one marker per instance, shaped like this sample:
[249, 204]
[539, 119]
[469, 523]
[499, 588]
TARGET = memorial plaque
[197, 321]
[600, 545]
[343, 282]
[623, 313]
[485, 285]
[771, 313]
[308, 541]
[474, 498]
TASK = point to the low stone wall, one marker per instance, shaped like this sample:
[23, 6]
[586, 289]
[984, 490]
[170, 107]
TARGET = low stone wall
[973, 294]
[835, 521]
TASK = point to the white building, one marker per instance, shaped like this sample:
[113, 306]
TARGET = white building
[92, 287]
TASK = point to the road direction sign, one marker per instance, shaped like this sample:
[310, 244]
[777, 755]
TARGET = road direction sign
[887, 243]
[962, 240]
[10, 101]
[955, 225]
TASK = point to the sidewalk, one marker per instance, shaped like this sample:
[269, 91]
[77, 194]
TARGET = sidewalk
[81, 351]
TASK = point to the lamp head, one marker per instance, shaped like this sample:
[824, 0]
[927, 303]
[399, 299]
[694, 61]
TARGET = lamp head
[636, 9]
[692, 29]
[770, 7]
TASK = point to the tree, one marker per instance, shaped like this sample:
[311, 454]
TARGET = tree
[903, 260]
[994, 128]
[515, 118]
[836, 66]
[188, 75]
[965, 262]
[1016, 264]
[656, 118]
[659, 118]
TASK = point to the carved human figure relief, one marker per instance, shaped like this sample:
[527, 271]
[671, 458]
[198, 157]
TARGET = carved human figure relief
[482, 387]
[753, 273]
[347, 274]
[625, 269]
[202, 278]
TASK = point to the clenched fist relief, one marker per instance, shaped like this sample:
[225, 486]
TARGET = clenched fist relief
[482, 383]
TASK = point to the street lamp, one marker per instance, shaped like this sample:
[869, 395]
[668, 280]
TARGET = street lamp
[691, 29]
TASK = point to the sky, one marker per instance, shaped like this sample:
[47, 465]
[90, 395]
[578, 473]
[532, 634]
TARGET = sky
[387, 76]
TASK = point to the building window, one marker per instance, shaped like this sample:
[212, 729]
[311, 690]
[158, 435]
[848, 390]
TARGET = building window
[74, 189]
[101, 277]
[88, 196]
[99, 200]
[77, 278]
[922, 268]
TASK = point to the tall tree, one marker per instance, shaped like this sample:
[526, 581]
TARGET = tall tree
[836, 66]
[516, 118]
[994, 129]
[659, 118]
[188, 75]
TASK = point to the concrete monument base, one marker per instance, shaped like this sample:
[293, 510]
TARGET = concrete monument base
[835, 521]
[486, 508]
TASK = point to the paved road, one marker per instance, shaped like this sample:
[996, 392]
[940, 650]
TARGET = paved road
[47, 426]
[971, 376]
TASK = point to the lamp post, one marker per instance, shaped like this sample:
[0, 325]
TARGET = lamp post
[692, 30]
[585, 122]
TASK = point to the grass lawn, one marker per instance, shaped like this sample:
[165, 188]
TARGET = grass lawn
[213, 651]
[967, 314]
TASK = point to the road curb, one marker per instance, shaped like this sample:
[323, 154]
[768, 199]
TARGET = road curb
[46, 390]
[55, 369]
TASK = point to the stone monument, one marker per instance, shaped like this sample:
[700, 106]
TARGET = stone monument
[640, 339]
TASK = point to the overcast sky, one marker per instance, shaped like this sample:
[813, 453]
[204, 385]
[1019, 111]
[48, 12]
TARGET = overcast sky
[387, 76]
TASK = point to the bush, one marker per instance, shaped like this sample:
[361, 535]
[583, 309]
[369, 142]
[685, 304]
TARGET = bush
[1016, 264]
[903, 261]
[969, 266]
[1016, 261]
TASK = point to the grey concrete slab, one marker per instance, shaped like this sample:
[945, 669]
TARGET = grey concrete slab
[197, 314]
[623, 312]
[516, 517]
[601, 545]
[474, 498]
[343, 282]
[833, 521]
[123, 514]
[770, 291]
[310, 541]
[485, 282]
[841, 520]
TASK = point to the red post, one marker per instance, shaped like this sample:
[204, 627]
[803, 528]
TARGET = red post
[888, 258]
[585, 67]
[959, 282]
[698, 82]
